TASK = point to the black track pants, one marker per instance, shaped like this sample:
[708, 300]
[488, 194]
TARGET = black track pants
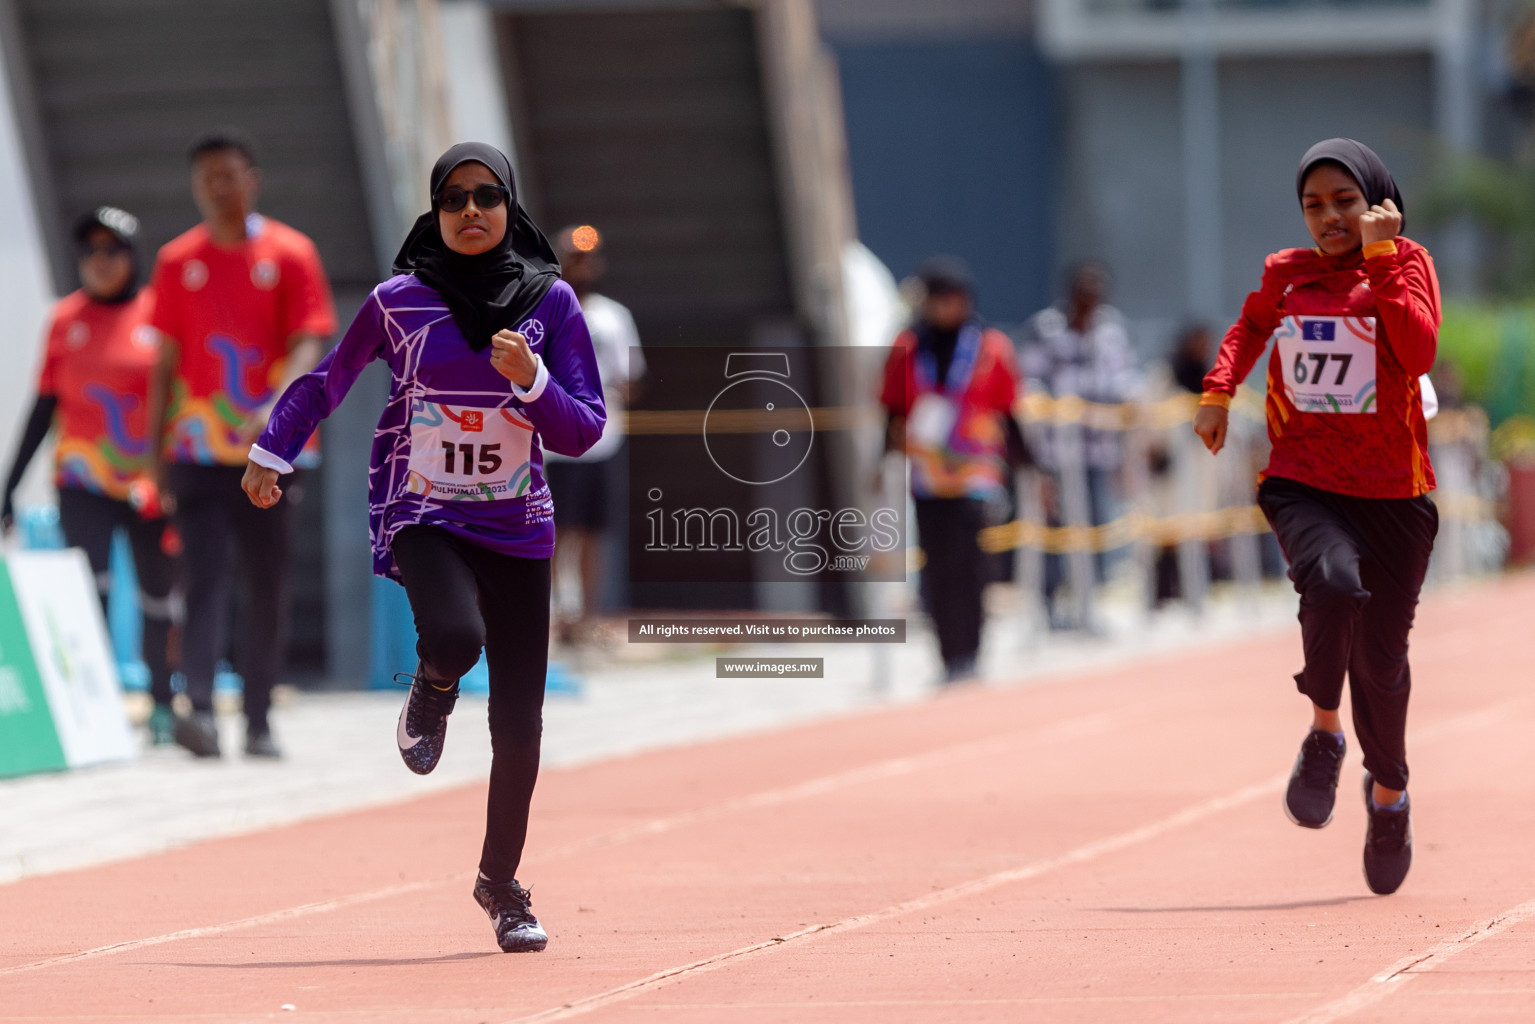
[88, 521]
[1358, 564]
[953, 573]
[212, 511]
[465, 598]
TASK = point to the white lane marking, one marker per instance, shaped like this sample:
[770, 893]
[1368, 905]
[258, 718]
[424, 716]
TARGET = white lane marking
[1391, 980]
[302, 910]
[1079, 855]
[1071, 728]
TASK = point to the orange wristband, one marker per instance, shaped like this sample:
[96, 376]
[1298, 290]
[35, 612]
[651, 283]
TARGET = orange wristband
[1387, 247]
[1215, 398]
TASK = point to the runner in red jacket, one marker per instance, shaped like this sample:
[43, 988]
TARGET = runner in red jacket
[1355, 325]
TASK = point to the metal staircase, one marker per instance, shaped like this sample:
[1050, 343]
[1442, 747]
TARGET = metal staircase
[109, 95]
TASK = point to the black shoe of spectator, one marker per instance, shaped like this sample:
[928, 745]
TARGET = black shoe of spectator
[259, 743]
[199, 733]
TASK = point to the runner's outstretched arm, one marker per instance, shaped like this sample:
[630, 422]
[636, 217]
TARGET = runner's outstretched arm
[1240, 350]
[310, 399]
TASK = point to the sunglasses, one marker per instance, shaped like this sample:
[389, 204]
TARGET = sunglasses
[486, 197]
[110, 249]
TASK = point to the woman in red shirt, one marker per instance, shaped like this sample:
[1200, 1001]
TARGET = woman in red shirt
[1355, 323]
[92, 389]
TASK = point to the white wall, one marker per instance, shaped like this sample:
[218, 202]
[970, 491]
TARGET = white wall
[25, 295]
[1121, 197]
[472, 68]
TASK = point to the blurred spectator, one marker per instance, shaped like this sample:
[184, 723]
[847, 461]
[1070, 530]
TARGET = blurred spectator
[1080, 348]
[949, 388]
[585, 488]
[1192, 355]
[242, 306]
[94, 387]
[1449, 385]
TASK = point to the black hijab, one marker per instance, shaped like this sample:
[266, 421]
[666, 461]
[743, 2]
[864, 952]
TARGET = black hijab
[495, 289]
[1360, 161]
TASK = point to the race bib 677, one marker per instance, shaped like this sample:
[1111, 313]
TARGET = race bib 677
[465, 453]
[1328, 362]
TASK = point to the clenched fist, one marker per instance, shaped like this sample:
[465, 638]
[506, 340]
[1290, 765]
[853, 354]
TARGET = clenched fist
[260, 485]
[510, 355]
[1380, 223]
[1210, 423]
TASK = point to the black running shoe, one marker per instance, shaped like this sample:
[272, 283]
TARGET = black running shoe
[259, 743]
[509, 906]
[423, 722]
[1313, 785]
[199, 733]
[1387, 843]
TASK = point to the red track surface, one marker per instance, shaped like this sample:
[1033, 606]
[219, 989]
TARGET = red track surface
[1104, 848]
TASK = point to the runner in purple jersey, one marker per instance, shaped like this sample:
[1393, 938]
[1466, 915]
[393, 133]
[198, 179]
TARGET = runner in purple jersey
[492, 363]
[444, 393]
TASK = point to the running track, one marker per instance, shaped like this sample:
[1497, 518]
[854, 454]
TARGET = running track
[1103, 848]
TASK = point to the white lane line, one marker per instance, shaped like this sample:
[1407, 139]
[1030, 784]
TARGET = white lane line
[1069, 729]
[1391, 980]
[1072, 728]
[286, 914]
[1079, 855]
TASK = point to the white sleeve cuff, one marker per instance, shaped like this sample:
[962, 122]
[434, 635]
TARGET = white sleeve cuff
[540, 381]
[261, 457]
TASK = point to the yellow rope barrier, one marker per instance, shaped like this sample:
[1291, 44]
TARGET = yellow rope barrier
[1451, 426]
[1162, 531]
[1168, 531]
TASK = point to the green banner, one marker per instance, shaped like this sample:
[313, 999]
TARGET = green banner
[29, 742]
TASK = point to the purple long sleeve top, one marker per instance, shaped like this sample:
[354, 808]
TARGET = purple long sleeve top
[458, 446]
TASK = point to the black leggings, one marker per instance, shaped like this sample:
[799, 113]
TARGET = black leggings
[465, 598]
[88, 521]
[1358, 564]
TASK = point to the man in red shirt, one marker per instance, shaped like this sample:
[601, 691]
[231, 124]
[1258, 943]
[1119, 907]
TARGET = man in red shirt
[243, 308]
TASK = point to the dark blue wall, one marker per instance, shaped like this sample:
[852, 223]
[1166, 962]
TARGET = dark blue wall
[953, 149]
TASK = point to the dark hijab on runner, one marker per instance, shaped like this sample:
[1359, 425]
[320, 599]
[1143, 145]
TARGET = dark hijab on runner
[1361, 162]
[495, 289]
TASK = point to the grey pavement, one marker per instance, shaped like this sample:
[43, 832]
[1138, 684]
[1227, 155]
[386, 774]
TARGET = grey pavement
[340, 751]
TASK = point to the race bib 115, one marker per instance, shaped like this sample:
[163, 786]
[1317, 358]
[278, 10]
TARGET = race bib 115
[1328, 362]
[465, 453]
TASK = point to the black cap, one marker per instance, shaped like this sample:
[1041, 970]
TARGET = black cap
[120, 222]
[946, 275]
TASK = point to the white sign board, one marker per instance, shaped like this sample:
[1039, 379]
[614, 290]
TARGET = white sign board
[59, 608]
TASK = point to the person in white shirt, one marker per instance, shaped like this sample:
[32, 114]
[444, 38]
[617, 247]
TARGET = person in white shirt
[584, 488]
[1081, 348]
